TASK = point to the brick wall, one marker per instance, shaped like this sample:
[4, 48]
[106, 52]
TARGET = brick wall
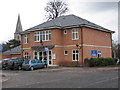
[90, 36]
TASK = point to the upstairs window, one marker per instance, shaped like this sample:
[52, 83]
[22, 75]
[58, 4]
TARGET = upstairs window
[42, 35]
[74, 34]
[65, 31]
[26, 39]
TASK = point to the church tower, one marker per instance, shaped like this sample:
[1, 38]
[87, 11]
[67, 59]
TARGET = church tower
[18, 29]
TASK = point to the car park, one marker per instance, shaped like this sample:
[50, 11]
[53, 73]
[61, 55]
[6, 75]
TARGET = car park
[15, 63]
[33, 64]
[5, 64]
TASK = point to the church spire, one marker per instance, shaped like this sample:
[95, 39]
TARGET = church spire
[19, 25]
[18, 29]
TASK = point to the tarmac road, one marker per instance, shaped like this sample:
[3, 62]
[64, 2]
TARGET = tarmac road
[61, 79]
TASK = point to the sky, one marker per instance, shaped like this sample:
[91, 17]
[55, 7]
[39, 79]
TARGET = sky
[32, 13]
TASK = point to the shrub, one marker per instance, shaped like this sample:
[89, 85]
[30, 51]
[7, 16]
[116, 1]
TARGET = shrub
[93, 62]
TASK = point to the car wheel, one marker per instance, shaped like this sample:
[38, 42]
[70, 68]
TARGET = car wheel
[45, 66]
[32, 68]
[19, 68]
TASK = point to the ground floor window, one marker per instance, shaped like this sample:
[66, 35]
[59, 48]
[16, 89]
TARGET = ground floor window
[65, 52]
[99, 54]
[26, 55]
[75, 55]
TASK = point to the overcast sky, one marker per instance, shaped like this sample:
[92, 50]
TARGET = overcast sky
[32, 13]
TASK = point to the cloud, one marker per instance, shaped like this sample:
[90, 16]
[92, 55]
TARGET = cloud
[94, 7]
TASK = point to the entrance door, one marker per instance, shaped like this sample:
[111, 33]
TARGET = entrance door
[43, 56]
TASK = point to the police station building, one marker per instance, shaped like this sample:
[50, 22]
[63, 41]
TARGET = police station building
[66, 39]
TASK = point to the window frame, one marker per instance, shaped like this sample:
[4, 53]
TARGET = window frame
[65, 31]
[75, 55]
[42, 35]
[99, 53]
[75, 34]
[25, 39]
[26, 55]
[65, 53]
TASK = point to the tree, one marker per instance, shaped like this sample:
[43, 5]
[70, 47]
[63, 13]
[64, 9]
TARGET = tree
[115, 49]
[55, 9]
[10, 44]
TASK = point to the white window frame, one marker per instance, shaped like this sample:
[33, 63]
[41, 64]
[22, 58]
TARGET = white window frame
[65, 31]
[25, 39]
[75, 34]
[75, 55]
[65, 53]
[99, 53]
[26, 55]
[35, 55]
[42, 35]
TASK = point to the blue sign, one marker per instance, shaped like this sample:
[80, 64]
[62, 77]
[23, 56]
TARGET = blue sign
[94, 53]
[46, 49]
[1, 47]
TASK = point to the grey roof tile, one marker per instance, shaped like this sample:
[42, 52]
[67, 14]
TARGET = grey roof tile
[15, 50]
[67, 21]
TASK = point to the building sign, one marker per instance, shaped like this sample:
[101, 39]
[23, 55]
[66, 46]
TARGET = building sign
[53, 56]
[94, 53]
[1, 47]
[46, 49]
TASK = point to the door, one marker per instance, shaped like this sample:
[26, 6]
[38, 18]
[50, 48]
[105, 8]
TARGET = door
[43, 56]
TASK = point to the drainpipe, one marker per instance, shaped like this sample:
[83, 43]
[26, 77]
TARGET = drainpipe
[82, 44]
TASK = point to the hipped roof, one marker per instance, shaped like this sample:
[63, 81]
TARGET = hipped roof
[67, 21]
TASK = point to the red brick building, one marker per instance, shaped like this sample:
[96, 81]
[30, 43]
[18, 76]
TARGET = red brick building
[66, 40]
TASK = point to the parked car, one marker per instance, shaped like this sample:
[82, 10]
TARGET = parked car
[33, 64]
[15, 63]
[5, 64]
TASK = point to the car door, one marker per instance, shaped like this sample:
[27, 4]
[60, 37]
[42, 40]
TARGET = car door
[39, 64]
[33, 63]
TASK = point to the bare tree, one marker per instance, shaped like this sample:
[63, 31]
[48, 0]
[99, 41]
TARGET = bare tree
[55, 9]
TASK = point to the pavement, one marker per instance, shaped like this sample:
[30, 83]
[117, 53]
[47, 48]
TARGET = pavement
[4, 77]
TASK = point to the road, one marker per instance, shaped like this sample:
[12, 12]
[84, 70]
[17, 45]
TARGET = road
[61, 79]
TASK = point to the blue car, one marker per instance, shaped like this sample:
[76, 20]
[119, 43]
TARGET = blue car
[33, 64]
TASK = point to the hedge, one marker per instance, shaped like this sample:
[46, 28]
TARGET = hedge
[93, 62]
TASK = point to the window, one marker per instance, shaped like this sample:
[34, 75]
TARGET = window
[65, 31]
[42, 35]
[75, 55]
[26, 39]
[26, 55]
[65, 52]
[35, 55]
[99, 53]
[33, 61]
[74, 34]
